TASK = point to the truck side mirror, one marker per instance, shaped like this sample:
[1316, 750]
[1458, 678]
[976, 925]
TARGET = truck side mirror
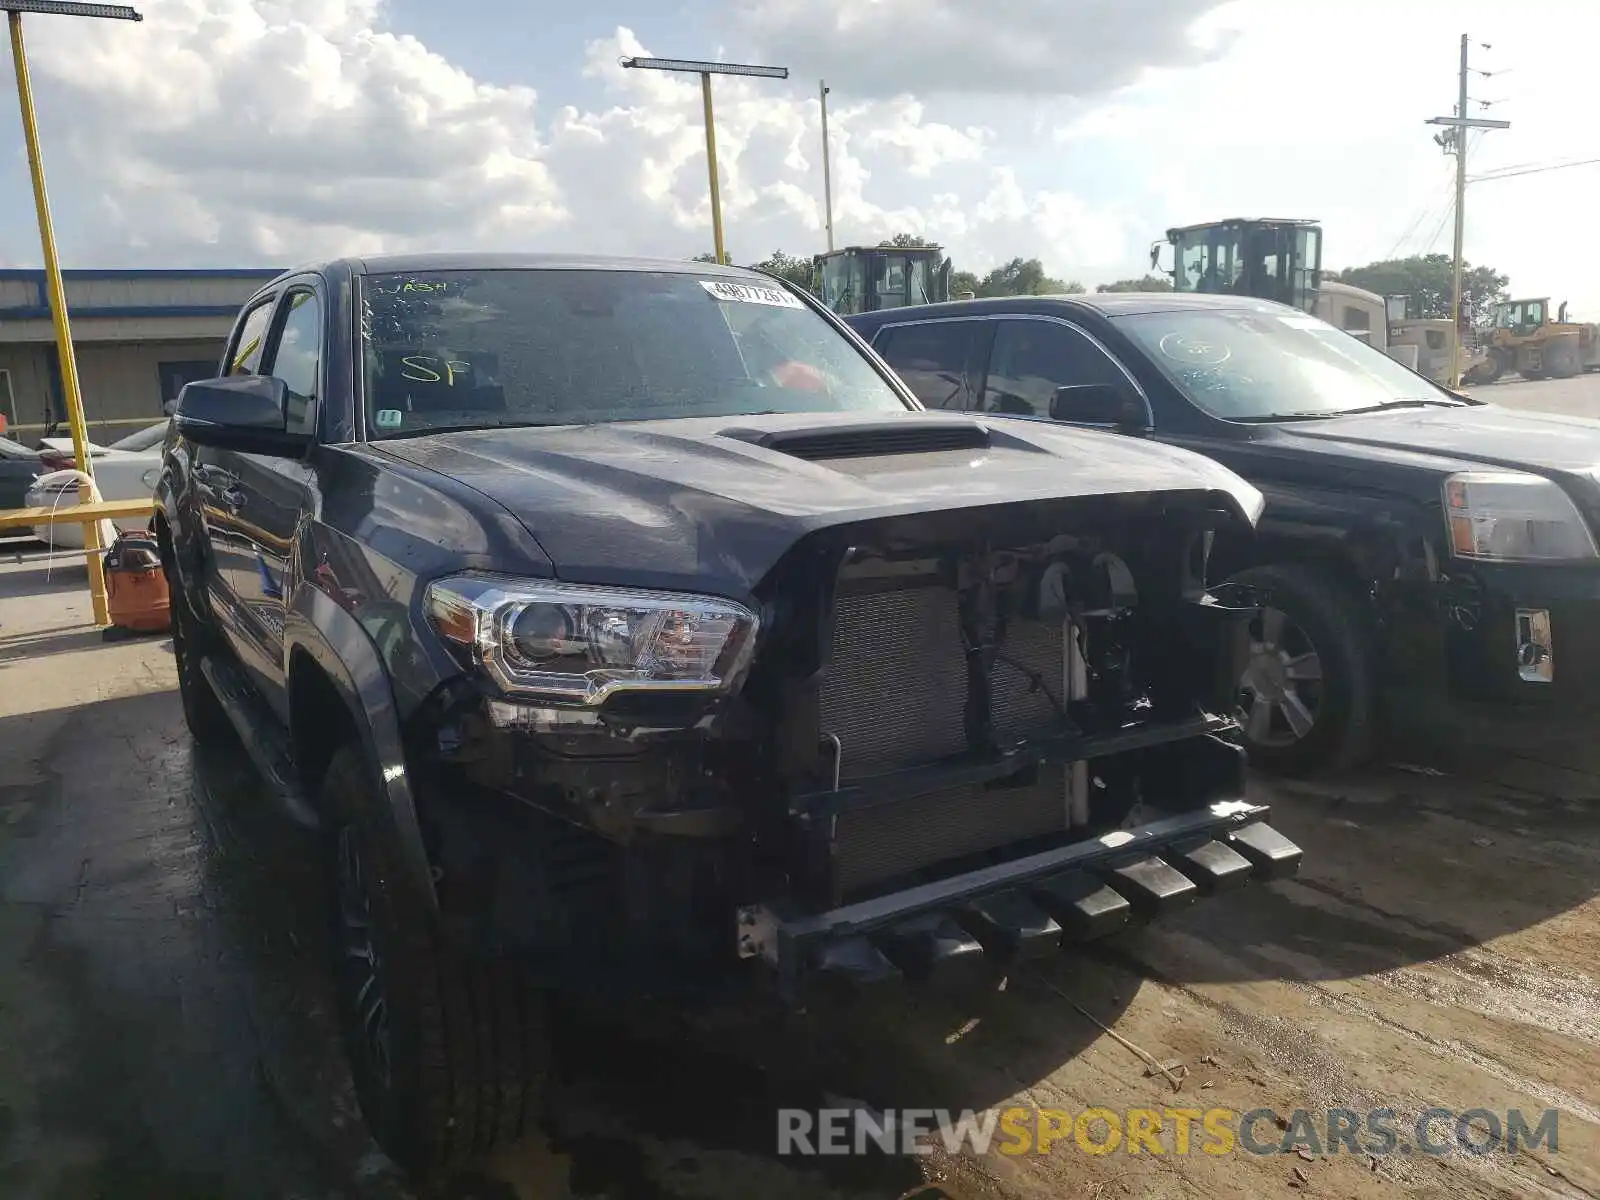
[239, 412]
[1099, 404]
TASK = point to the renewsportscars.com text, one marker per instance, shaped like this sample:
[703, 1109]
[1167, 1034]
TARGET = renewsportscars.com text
[1177, 1131]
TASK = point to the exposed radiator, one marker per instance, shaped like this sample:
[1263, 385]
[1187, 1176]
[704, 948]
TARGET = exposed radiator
[892, 840]
[894, 694]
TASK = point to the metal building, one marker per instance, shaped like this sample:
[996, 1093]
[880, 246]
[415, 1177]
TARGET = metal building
[139, 337]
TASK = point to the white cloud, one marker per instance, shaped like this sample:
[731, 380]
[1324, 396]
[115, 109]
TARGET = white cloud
[239, 131]
[1036, 47]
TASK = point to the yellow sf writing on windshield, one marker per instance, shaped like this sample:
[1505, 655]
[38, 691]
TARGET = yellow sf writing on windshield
[417, 368]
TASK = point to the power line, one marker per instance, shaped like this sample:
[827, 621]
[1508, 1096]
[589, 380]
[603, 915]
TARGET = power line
[1508, 173]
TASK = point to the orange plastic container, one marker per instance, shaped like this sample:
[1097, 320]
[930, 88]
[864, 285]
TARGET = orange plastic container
[136, 588]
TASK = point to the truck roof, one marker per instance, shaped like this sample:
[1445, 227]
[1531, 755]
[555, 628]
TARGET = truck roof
[401, 264]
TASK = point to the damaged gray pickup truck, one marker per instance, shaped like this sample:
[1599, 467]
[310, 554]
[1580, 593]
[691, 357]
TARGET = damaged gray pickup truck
[627, 627]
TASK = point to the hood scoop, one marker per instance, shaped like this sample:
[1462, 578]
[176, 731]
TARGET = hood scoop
[877, 439]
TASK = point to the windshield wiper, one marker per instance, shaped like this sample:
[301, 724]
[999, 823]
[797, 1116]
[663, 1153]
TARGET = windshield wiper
[1325, 414]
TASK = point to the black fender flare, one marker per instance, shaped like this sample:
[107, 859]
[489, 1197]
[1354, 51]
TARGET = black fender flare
[341, 647]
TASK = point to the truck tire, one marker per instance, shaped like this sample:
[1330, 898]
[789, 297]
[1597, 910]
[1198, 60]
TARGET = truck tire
[1492, 368]
[1311, 655]
[448, 1052]
[1561, 359]
[207, 720]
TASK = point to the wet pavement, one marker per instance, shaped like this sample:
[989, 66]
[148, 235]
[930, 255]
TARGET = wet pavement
[165, 1033]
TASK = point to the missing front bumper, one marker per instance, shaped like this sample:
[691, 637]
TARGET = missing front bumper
[1031, 905]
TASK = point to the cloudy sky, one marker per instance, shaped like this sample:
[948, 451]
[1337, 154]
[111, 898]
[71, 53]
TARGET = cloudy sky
[262, 132]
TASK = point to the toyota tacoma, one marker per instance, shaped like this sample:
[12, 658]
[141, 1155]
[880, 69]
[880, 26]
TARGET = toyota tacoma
[628, 628]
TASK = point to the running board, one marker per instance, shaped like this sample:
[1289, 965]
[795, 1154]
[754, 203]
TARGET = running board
[263, 738]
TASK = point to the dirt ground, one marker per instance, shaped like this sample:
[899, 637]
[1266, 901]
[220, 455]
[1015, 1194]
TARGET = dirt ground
[164, 1031]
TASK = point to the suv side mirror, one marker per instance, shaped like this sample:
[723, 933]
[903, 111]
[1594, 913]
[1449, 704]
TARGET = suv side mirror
[1099, 404]
[238, 412]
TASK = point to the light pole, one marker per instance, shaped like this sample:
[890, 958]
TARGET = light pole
[706, 70]
[827, 166]
[52, 264]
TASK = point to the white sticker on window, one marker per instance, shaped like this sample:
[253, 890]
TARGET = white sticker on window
[390, 418]
[1303, 322]
[750, 293]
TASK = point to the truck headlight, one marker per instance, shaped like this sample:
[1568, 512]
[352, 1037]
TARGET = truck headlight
[581, 644]
[1512, 516]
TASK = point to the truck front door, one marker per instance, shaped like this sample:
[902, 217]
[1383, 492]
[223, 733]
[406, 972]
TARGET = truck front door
[274, 493]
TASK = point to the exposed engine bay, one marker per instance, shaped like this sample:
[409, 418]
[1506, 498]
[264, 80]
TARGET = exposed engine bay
[917, 708]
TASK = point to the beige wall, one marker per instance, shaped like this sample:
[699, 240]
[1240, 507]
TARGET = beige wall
[120, 381]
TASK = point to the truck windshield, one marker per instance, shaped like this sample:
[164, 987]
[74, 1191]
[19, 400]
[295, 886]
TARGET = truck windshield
[1267, 364]
[455, 349]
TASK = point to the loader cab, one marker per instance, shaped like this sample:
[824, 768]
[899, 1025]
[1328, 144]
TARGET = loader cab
[860, 279]
[1521, 317]
[1269, 259]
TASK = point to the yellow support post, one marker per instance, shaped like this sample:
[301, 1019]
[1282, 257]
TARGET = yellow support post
[711, 164]
[58, 313]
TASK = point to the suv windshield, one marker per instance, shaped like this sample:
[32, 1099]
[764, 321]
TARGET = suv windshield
[1261, 364]
[454, 349]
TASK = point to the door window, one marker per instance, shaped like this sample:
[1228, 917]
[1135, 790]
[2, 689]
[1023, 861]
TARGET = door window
[297, 360]
[244, 358]
[940, 361]
[1031, 359]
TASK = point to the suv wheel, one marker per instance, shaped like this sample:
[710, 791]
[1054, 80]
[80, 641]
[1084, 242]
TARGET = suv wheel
[1306, 696]
[448, 1052]
[207, 720]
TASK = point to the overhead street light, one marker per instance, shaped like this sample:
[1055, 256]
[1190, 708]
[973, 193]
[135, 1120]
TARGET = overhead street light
[52, 263]
[705, 70]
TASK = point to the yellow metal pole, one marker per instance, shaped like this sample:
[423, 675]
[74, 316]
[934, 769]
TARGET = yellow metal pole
[58, 312]
[711, 163]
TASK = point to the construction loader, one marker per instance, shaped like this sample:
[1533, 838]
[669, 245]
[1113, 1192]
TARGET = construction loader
[1521, 337]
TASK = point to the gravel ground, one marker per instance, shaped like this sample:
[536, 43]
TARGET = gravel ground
[164, 1030]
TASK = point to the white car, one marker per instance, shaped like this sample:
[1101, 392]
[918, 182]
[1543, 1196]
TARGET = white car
[125, 470]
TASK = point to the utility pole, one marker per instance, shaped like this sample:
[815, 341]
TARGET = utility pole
[1456, 139]
[827, 168]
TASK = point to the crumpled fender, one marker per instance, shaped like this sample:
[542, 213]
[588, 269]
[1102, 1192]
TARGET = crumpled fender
[338, 644]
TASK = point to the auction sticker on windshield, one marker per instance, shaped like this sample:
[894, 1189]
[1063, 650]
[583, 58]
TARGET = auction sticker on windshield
[747, 293]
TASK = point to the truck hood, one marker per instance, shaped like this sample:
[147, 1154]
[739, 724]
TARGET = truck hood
[714, 502]
[1545, 443]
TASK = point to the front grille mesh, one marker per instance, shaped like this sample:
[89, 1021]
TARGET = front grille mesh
[894, 694]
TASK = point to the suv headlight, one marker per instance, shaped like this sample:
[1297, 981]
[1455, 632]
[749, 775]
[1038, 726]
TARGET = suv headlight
[581, 644]
[1512, 516]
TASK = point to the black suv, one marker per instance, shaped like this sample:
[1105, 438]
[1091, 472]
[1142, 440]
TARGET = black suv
[1420, 549]
[629, 629]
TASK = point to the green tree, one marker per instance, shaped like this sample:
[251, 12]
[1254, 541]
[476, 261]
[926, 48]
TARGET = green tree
[1149, 283]
[906, 241]
[1426, 278]
[963, 281]
[787, 266]
[1023, 277]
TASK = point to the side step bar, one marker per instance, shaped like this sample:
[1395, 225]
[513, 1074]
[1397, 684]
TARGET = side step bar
[262, 735]
[1028, 907]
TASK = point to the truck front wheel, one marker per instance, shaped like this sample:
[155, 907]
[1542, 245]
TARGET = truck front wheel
[207, 720]
[447, 1051]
